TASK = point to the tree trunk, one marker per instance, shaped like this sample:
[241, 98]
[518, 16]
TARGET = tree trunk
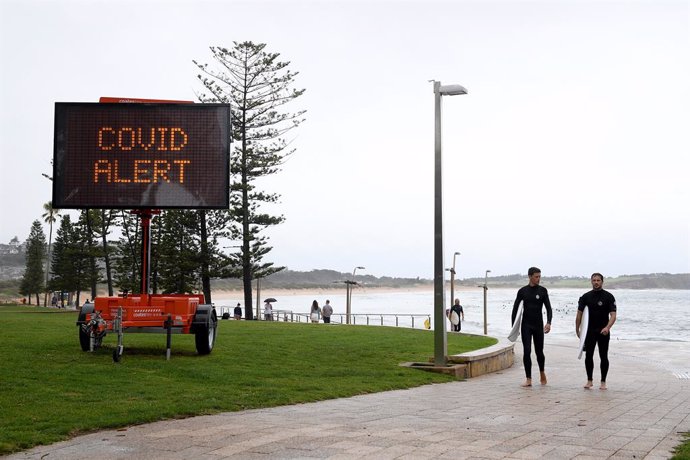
[155, 259]
[50, 240]
[246, 254]
[205, 258]
[93, 276]
[106, 251]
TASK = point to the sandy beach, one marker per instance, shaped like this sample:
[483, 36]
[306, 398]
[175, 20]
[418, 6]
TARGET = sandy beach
[322, 292]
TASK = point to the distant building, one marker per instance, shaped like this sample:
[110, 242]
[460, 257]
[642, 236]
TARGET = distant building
[14, 247]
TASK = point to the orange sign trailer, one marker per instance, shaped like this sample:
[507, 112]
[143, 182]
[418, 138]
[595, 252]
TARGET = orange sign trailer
[162, 313]
[146, 312]
[169, 313]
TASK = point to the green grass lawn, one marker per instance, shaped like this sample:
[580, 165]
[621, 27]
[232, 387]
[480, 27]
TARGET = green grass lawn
[682, 452]
[50, 390]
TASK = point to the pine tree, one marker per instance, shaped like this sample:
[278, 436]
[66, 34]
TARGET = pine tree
[33, 279]
[179, 261]
[69, 263]
[89, 252]
[127, 254]
[257, 85]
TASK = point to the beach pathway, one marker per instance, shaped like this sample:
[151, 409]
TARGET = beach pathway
[641, 415]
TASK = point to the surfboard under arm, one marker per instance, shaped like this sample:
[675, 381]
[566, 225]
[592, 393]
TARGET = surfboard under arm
[515, 331]
[584, 325]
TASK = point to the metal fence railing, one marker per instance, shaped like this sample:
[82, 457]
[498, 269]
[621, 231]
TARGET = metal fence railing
[369, 319]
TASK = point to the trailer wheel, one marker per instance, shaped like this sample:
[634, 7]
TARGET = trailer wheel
[84, 338]
[205, 336]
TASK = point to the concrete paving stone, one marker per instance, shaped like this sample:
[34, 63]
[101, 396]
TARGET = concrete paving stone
[228, 451]
[362, 450]
[188, 452]
[642, 443]
[489, 454]
[628, 454]
[629, 432]
[303, 442]
[594, 454]
[482, 444]
[534, 451]
[177, 444]
[505, 448]
[613, 442]
[422, 454]
[391, 452]
[561, 451]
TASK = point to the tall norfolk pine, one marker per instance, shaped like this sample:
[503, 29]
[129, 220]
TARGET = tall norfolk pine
[33, 281]
[256, 85]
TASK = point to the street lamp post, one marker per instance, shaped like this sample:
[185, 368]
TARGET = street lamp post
[452, 280]
[348, 294]
[440, 339]
[486, 288]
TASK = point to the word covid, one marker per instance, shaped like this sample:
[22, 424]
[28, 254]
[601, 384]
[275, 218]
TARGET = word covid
[141, 155]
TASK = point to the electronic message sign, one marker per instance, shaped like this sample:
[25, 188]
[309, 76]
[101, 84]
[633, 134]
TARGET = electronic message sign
[132, 156]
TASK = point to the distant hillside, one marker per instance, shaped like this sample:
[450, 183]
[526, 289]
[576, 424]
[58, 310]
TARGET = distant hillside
[11, 272]
[323, 279]
[289, 279]
[648, 281]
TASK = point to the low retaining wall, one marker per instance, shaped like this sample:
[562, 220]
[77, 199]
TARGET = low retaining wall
[474, 363]
[479, 362]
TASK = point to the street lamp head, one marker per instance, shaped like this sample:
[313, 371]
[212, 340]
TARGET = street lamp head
[456, 253]
[452, 90]
[361, 268]
[488, 271]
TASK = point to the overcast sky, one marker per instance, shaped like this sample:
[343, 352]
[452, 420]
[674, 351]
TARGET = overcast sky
[570, 151]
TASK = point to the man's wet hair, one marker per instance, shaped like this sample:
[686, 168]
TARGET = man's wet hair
[597, 274]
[532, 271]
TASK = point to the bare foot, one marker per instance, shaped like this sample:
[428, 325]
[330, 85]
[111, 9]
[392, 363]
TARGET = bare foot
[542, 378]
[602, 386]
[528, 383]
[588, 385]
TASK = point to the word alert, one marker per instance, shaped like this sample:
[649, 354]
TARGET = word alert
[143, 171]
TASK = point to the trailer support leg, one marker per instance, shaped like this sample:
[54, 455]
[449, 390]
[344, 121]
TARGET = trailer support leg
[168, 327]
[117, 354]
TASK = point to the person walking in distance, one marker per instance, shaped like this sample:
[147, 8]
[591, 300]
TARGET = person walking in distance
[237, 312]
[457, 308]
[602, 316]
[534, 298]
[315, 313]
[326, 312]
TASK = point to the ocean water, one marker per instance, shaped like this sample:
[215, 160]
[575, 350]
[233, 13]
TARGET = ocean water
[657, 315]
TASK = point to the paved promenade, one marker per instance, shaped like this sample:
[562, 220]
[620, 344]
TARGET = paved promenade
[640, 416]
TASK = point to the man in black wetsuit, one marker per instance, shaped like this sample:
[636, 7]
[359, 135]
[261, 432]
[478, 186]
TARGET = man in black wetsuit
[533, 298]
[457, 308]
[602, 315]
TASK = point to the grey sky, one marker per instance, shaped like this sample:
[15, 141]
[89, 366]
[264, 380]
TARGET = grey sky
[568, 153]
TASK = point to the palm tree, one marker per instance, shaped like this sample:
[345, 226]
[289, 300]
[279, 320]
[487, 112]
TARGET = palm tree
[50, 216]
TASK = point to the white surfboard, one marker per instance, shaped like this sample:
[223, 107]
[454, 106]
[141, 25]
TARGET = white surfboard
[515, 331]
[584, 324]
[454, 318]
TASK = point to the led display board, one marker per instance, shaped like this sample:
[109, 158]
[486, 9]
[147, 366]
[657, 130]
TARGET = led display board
[132, 156]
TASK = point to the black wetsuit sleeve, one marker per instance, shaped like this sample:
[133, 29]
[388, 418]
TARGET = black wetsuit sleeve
[547, 304]
[516, 304]
[612, 303]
